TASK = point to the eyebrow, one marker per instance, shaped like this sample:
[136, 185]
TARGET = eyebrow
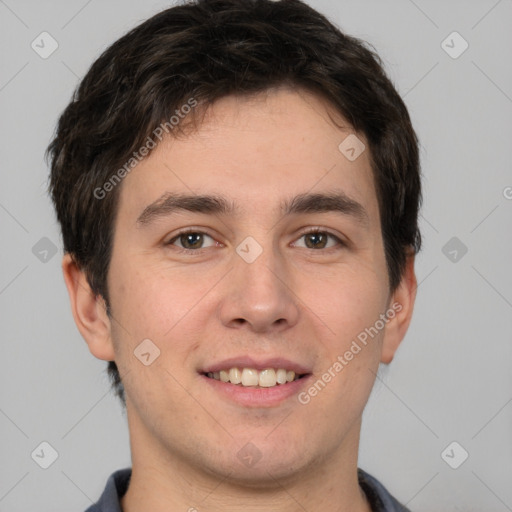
[170, 203]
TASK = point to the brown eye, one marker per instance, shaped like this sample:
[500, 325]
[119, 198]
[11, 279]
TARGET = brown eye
[316, 240]
[190, 240]
[319, 240]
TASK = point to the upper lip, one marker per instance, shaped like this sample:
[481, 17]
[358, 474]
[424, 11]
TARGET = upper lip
[257, 364]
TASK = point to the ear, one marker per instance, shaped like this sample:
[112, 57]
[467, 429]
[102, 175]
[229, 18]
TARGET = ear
[402, 303]
[89, 311]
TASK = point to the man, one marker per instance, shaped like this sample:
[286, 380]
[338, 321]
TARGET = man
[238, 187]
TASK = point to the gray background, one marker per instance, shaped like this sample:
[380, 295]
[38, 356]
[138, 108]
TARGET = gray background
[451, 379]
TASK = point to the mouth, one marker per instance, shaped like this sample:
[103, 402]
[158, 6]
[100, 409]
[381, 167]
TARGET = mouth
[251, 377]
[250, 382]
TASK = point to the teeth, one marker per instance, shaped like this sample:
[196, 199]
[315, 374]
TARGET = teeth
[267, 378]
[281, 376]
[235, 376]
[249, 377]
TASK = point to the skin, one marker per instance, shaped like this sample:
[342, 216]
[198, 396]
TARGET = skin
[296, 301]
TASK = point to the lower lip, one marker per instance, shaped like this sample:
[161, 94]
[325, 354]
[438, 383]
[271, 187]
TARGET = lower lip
[256, 396]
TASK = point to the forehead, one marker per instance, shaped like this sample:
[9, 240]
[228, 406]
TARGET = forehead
[258, 153]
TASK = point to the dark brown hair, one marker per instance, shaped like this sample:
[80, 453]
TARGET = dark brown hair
[205, 50]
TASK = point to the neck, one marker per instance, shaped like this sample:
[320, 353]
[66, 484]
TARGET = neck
[161, 482]
[151, 490]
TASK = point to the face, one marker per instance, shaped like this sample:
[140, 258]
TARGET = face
[259, 281]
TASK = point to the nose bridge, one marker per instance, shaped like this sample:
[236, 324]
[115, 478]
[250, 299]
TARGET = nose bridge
[259, 267]
[259, 291]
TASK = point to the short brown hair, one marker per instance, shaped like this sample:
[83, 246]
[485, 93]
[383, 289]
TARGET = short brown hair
[208, 49]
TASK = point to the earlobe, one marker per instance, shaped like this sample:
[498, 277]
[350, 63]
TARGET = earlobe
[88, 310]
[402, 303]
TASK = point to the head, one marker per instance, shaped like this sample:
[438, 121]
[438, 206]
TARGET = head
[249, 100]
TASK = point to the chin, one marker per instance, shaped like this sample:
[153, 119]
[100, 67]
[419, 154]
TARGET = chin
[265, 467]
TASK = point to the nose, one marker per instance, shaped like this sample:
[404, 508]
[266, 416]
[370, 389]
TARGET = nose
[259, 296]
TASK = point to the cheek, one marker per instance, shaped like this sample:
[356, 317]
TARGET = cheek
[355, 310]
[156, 301]
[159, 305]
[347, 303]
[345, 374]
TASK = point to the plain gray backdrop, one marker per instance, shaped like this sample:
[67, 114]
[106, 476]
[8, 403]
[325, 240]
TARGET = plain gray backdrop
[451, 379]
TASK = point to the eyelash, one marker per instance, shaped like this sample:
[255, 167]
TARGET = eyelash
[317, 230]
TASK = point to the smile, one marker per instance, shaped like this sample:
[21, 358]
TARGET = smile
[250, 377]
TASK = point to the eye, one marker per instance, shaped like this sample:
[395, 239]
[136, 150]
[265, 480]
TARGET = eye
[318, 239]
[191, 240]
